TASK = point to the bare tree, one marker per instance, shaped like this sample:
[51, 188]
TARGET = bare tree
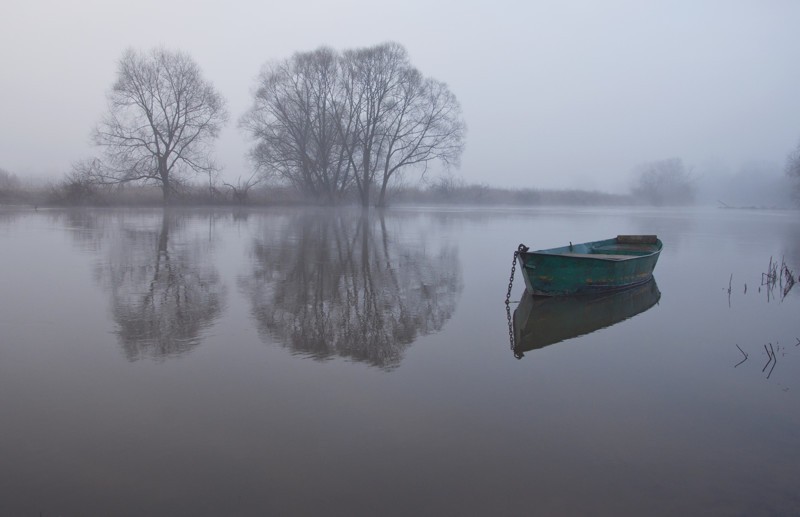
[664, 182]
[81, 185]
[401, 118]
[162, 118]
[428, 127]
[325, 122]
[294, 124]
[241, 190]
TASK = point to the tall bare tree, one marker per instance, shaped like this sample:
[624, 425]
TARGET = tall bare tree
[401, 118]
[295, 123]
[162, 119]
[428, 126]
[326, 122]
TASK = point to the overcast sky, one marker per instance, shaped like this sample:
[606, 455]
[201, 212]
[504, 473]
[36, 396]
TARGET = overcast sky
[556, 94]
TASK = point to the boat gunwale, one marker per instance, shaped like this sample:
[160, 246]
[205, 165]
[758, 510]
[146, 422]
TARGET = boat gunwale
[564, 251]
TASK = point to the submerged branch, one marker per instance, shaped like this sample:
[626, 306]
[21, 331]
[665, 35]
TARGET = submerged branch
[744, 354]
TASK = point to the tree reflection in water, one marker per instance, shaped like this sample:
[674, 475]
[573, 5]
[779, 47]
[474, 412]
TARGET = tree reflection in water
[164, 289]
[343, 284]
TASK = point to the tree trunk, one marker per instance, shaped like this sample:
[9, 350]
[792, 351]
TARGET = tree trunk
[164, 173]
[365, 198]
[165, 187]
[382, 196]
[366, 183]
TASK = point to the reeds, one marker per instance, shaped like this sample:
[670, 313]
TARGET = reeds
[782, 277]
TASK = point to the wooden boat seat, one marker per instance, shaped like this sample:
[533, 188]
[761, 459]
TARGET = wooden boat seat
[606, 256]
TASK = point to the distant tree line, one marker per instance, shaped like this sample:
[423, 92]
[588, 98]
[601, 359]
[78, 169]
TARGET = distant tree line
[439, 191]
[9, 185]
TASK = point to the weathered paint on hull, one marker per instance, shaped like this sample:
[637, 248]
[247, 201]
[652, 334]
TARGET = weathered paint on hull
[573, 269]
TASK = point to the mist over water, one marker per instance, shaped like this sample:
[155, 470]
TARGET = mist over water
[301, 361]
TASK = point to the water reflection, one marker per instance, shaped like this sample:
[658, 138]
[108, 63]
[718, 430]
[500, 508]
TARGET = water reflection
[341, 284]
[164, 289]
[9, 216]
[162, 296]
[791, 242]
[543, 321]
[791, 256]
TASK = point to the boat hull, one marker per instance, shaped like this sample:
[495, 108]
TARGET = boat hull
[591, 267]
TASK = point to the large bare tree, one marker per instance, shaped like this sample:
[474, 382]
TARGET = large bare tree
[295, 124]
[328, 123]
[426, 126]
[401, 118]
[162, 119]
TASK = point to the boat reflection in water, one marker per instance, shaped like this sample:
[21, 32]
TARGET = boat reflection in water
[540, 321]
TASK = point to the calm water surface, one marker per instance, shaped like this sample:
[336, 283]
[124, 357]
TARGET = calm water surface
[307, 362]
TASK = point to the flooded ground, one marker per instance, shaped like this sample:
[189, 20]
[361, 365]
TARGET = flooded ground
[308, 362]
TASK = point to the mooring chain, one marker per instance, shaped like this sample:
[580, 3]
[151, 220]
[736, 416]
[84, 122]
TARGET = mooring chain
[520, 249]
[510, 327]
[511, 280]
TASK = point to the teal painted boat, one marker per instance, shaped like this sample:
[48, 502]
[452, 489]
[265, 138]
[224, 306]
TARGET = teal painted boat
[590, 267]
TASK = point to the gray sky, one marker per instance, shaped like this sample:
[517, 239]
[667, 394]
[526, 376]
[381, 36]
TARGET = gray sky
[567, 94]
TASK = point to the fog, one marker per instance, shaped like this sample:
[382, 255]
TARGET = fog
[568, 95]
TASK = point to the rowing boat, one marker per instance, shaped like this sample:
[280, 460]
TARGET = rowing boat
[618, 263]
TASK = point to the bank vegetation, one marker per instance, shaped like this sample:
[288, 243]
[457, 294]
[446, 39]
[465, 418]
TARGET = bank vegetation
[73, 190]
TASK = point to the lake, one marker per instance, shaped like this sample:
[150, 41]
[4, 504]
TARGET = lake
[308, 362]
